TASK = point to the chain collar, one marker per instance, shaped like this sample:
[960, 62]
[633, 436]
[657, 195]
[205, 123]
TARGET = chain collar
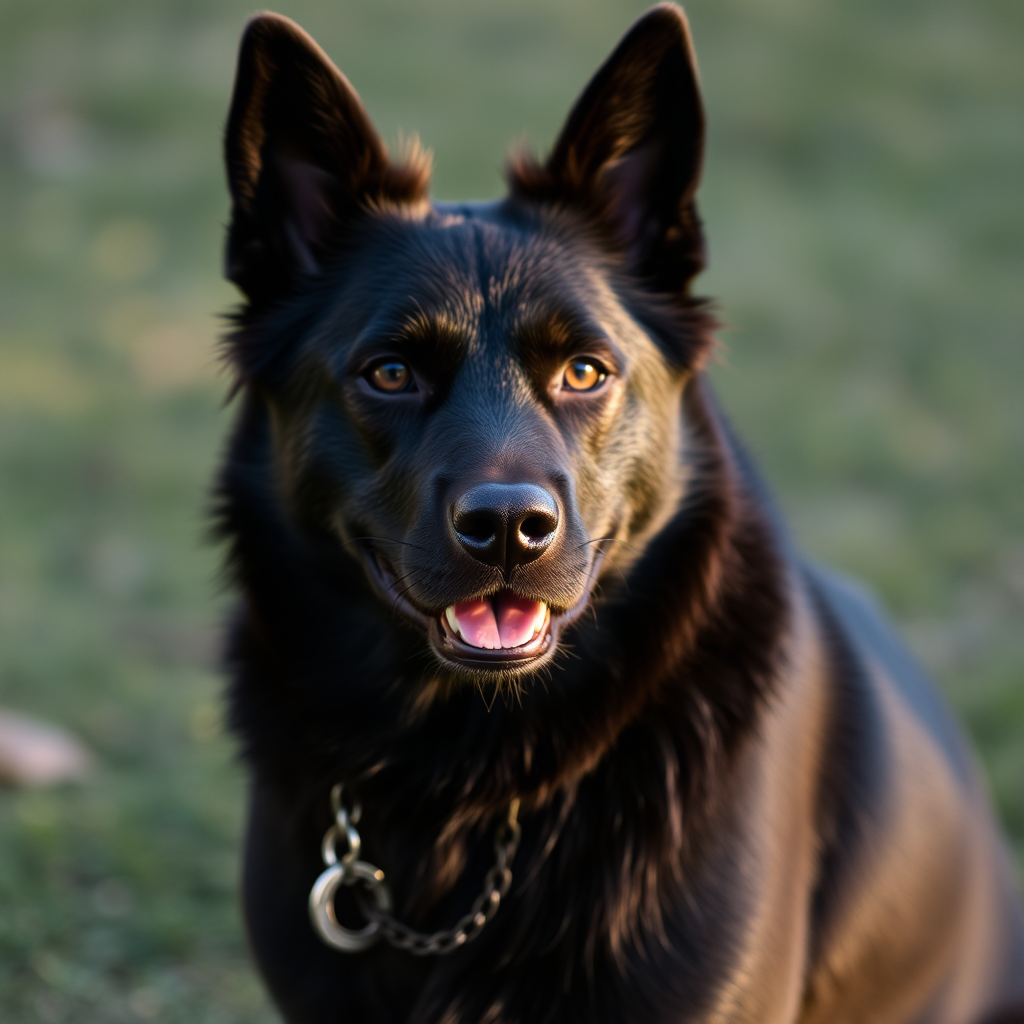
[374, 898]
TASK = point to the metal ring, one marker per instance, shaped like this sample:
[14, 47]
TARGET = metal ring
[329, 847]
[339, 808]
[321, 905]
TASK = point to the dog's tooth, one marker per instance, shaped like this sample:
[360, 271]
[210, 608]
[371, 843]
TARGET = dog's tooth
[538, 621]
[449, 614]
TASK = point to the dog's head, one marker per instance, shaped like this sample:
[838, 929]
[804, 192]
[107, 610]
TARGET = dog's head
[478, 401]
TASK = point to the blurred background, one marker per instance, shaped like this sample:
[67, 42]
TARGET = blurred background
[863, 199]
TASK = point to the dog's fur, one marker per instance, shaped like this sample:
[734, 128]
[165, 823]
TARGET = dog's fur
[740, 800]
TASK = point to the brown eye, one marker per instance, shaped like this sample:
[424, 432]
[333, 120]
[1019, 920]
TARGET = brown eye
[584, 375]
[390, 376]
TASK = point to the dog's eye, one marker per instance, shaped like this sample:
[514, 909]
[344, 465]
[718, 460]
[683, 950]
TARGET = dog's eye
[584, 375]
[390, 376]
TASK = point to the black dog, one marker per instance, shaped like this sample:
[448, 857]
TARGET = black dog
[499, 556]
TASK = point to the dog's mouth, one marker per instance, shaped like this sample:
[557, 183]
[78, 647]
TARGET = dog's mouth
[503, 628]
[502, 631]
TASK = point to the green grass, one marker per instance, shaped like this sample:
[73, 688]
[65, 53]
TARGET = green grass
[863, 203]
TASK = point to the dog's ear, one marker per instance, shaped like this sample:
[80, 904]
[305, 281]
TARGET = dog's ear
[303, 159]
[631, 151]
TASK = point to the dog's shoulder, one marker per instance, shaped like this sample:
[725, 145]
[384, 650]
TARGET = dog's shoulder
[856, 612]
[908, 847]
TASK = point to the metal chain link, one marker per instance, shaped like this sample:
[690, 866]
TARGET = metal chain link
[469, 926]
[374, 899]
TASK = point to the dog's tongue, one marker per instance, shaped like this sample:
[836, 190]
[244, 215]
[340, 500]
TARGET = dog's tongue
[474, 621]
[518, 618]
[504, 620]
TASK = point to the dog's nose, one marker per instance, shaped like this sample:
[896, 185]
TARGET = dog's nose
[506, 525]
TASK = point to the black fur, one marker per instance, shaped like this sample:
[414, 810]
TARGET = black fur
[711, 755]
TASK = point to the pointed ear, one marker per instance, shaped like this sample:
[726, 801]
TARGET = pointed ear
[631, 151]
[303, 159]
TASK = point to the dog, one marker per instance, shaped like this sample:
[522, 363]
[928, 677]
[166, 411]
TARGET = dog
[546, 719]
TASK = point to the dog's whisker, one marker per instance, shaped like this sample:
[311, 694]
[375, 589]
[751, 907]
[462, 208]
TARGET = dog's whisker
[418, 571]
[618, 541]
[402, 593]
[383, 540]
[489, 704]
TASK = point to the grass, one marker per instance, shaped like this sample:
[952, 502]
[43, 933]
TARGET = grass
[862, 198]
